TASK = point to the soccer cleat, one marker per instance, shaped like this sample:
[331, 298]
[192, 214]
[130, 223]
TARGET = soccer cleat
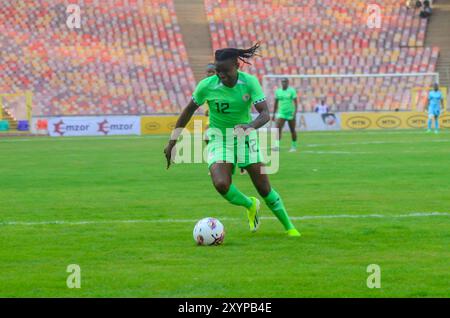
[293, 233]
[253, 215]
[429, 130]
[436, 131]
[293, 150]
[276, 148]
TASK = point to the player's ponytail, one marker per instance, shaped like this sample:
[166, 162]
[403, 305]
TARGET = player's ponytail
[242, 55]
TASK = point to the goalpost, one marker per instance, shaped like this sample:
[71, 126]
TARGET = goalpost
[359, 92]
[17, 107]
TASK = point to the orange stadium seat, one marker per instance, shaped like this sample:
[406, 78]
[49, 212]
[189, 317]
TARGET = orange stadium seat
[129, 56]
[107, 67]
[324, 37]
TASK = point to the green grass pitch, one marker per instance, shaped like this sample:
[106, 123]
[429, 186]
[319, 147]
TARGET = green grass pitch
[94, 184]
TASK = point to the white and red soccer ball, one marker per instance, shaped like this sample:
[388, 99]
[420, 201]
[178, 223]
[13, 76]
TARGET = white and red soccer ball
[209, 231]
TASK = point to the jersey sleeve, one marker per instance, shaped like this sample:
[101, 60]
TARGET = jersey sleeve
[256, 91]
[199, 95]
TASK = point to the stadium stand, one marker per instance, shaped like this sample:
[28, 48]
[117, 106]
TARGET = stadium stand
[437, 34]
[128, 57]
[330, 37]
[197, 39]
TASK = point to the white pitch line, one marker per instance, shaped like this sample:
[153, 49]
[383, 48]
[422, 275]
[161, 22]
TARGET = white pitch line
[306, 217]
[368, 132]
[380, 142]
[85, 138]
[325, 152]
[378, 216]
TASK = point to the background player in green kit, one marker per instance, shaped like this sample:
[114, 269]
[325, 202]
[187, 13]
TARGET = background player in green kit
[230, 96]
[285, 109]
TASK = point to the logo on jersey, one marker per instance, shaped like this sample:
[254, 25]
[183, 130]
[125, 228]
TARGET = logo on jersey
[246, 97]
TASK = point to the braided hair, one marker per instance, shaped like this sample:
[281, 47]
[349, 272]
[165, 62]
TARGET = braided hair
[238, 54]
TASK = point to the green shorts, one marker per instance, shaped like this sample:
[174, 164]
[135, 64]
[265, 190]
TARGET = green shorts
[287, 115]
[242, 152]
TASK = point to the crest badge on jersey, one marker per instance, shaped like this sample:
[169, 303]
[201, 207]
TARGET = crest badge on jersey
[246, 97]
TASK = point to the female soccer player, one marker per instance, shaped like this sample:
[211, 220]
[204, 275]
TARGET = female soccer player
[230, 95]
[435, 101]
[286, 109]
[211, 71]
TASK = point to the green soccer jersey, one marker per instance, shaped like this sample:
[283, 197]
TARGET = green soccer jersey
[285, 100]
[229, 107]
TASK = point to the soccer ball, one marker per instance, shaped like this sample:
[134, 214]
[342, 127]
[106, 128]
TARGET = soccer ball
[209, 231]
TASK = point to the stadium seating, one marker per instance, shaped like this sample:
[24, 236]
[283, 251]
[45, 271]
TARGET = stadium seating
[330, 37]
[127, 58]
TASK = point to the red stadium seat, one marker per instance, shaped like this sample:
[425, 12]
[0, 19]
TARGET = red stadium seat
[99, 63]
[322, 37]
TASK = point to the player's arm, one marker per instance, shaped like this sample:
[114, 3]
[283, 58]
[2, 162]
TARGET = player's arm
[182, 121]
[275, 108]
[295, 101]
[198, 99]
[263, 117]
[259, 101]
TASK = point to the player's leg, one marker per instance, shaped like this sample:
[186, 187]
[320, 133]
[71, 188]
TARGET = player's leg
[221, 177]
[430, 121]
[292, 124]
[436, 123]
[280, 125]
[271, 197]
[221, 162]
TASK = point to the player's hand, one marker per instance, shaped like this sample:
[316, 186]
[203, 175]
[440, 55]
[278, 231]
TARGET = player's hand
[168, 151]
[241, 129]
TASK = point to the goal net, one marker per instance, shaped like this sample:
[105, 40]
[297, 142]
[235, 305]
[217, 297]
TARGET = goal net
[358, 92]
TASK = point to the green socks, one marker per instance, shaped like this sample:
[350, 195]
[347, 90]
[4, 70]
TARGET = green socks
[236, 197]
[273, 201]
[275, 204]
[294, 144]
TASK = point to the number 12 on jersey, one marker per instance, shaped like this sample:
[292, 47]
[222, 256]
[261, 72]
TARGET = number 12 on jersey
[222, 107]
